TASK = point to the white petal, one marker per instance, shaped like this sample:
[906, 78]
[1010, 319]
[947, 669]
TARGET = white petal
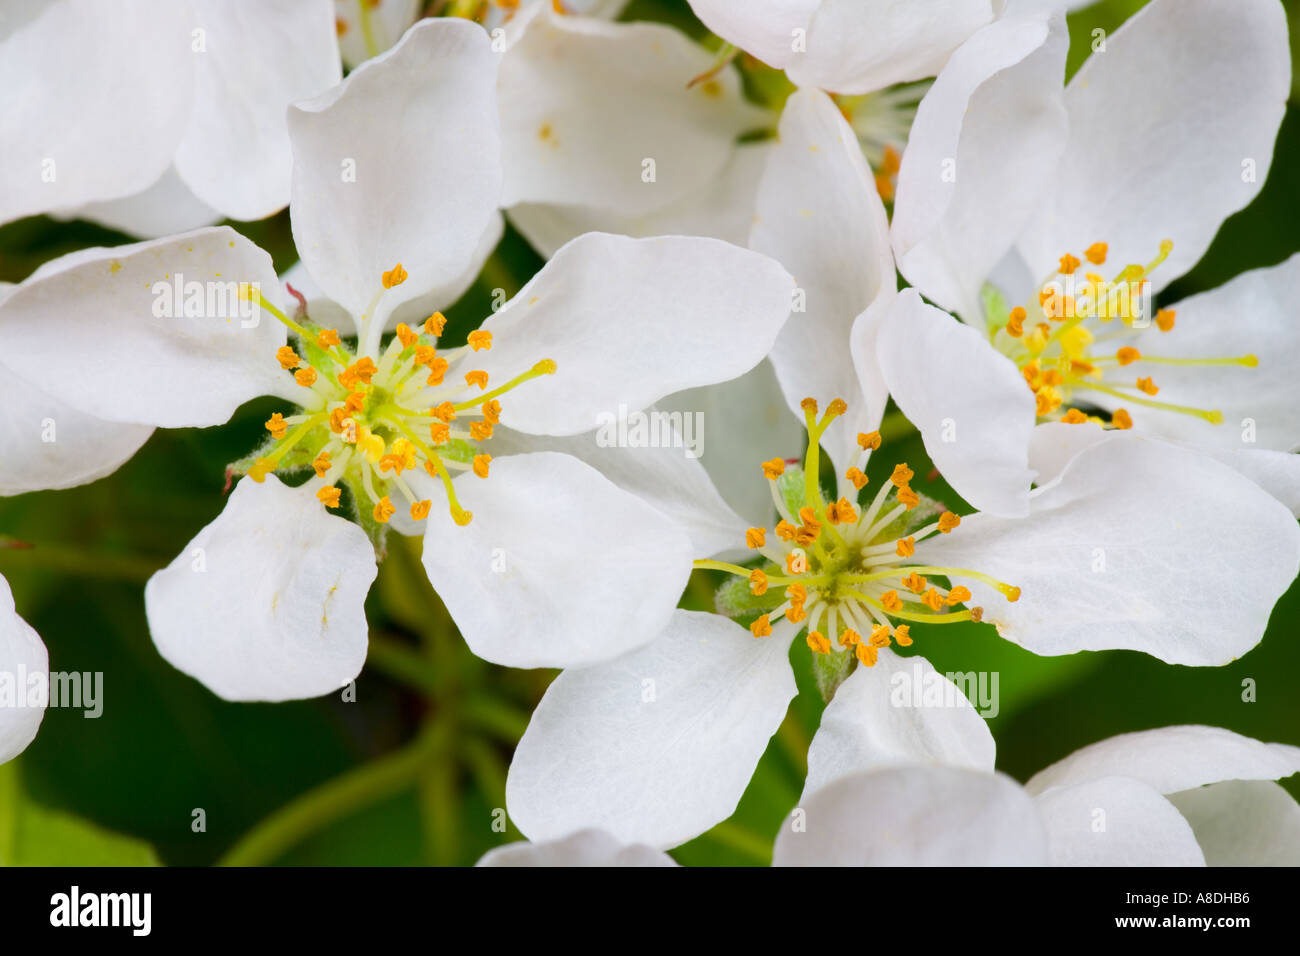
[21, 653]
[384, 24]
[256, 60]
[820, 216]
[629, 321]
[94, 98]
[668, 475]
[901, 712]
[558, 568]
[985, 143]
[1243, 823]
[765, 29]
[1170, 759]
[267, 602]
[584, 848]
[747, 421]
[722, 208]
[857, 46]
[106, 332]
[46, 444]
[1140, 545]
[1251, 315]
[1277, 472]
[165, 208]
[916, 816]
[586, 104]
[1116, 821]
[655, 747]
[968, 400]
[399, 164]
[1202, 87]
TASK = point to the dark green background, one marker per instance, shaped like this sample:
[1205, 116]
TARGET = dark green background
[411, 772]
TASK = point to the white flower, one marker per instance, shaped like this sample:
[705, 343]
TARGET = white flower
[1023, 208]
[582, 848]
[156, 116]
[22, 656]
[559, 566]
[847, 46]
[892, 782]
[1120, 550]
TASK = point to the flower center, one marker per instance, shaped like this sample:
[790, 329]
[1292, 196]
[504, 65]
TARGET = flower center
[363, 423]
[1066, 340]
[845, 569]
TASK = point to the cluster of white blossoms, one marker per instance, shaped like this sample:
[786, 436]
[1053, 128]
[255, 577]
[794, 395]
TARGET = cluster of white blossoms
[725, 230]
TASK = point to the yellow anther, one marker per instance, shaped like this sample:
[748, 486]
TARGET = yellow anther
[1127, 355]
[958, 595]
[1074, 417]
[755, 538]
[425, 354]
[1096, 253]
[480, 464]
[891, 601]
[906, 547]
[796, 562]
[880, 636]
[480, 339]
[836, 408]
[808, 516]
[321, 464]
[276, 425]
[818, 642]
[384, 509]
[1046, 400]
[406, 335]
[329, 496]
[932, 599]
[338, 419]
[477, 377]
[287, 357]
[807, 534]
[757, 582]
[903, 635]
[761, 627]
[1016, 322]
[480, 431]
[948, 521]
[1121, 419]
[856, 476]
[305, 376]
[1165, 319]
[798, 595]
[809, 405]
[901, 476]
[1147, 385]
[355, 402]
[437, 369]
[1069, 264]
[850, 637]
[359, 372]
[394, 276]
[773, 469]
[492, 412]
[795, 613]
[866, 654]
[841, 512]
[444, 410]
[261, 468]
[328, 338]
[869, 440]
[420, 509]
[785, 530]
[914, 583]
[908, 498]
[440, 433]
[435, 323]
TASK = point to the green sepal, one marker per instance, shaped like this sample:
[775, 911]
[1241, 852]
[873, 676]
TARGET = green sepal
[910, 521]
[833, 669]
[790, 488]
[735, 600]
[377, 532]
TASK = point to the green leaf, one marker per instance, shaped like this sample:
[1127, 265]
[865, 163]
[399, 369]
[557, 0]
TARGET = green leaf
[831, 670]
[33, 835]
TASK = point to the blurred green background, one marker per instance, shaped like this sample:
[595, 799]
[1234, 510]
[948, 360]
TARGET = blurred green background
[413, 771]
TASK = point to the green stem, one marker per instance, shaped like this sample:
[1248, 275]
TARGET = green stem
[334, 800]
